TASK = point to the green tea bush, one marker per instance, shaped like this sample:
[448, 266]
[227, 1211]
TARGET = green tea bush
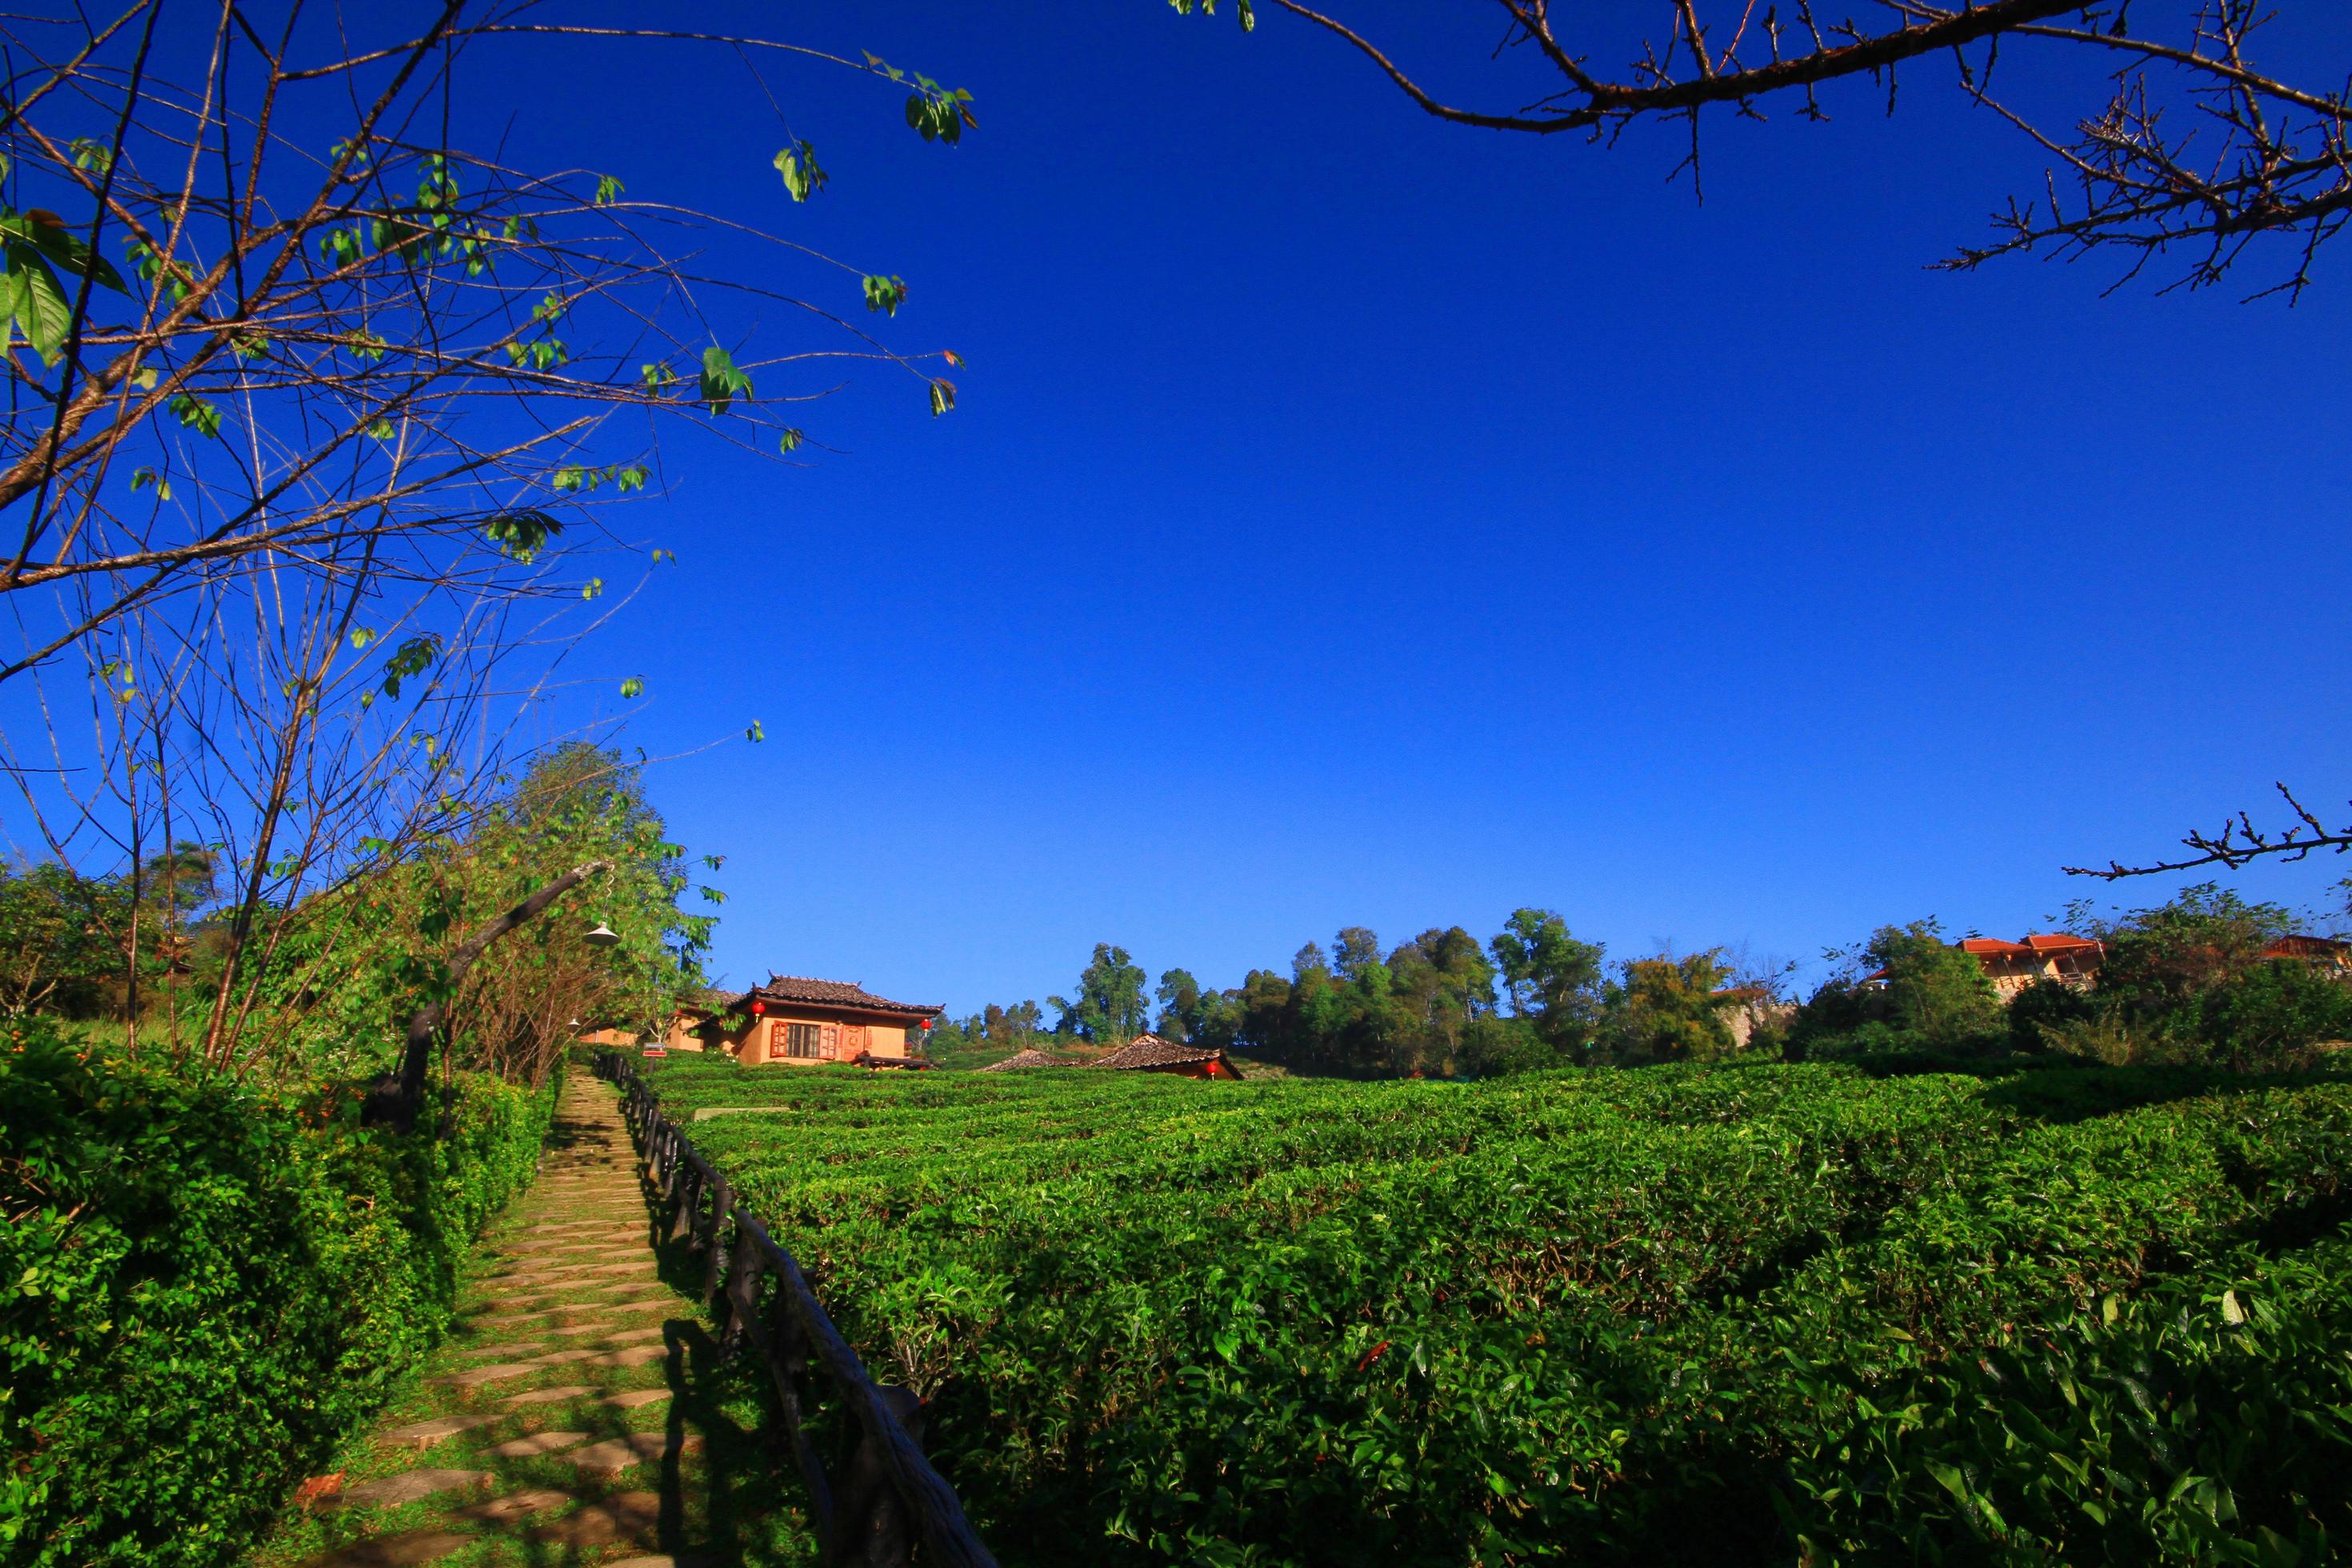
[209, 1286]
[1651, 1316]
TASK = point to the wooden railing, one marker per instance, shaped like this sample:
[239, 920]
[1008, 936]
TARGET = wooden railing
[872, 1507]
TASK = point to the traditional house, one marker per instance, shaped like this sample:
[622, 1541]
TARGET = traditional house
[2329, 953]
[797, 1022]
[1149, 1053]
[2011, 966]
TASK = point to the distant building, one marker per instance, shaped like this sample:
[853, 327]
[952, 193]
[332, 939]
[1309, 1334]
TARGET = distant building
[1747, 1009]
[792, 1021]
[2011, 966]
[1149, 1053]
[688, 1017]
[2324, 952]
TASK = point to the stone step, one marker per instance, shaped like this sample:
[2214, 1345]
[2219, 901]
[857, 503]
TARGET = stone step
[614, 1455]
[406, 1486]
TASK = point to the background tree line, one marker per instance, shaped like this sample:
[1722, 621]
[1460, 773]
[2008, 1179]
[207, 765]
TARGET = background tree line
[2186, 981]
[1442, 1003]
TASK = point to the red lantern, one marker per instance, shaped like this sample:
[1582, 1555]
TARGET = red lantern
[758, 1008]
[927, 1026]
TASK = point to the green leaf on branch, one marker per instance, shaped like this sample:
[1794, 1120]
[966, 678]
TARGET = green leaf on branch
[755, 734]
[92, 154]
[608, 190]
[634, 686]
[520, 535]
[937, 113]
[415, 657]
[622, 477]
[942, 396]
[721, 382]
[1244, 12]
[789, 440]
[203, 417]
[381, 429]
[34, 246]
[142, 478]
[885, 294]
[797, 164]
[592, 588]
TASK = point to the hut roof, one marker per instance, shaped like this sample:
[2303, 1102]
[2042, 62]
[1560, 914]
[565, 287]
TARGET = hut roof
[1151, 1051]
[1020, 1059]
[831, 994]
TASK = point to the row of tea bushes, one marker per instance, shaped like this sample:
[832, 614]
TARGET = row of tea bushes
[1735, 1315]
[209, 1287]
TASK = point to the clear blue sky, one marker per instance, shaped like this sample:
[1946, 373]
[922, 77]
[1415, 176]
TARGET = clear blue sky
[1352, 520]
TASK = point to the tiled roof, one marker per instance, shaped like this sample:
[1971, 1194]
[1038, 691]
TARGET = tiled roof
[1024, 1059]
[2031, 947]
[1151, 1051]
[2060, 942]
[833, 993]
[2299, 946]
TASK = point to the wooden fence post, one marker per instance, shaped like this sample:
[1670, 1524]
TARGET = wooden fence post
[722, 1205]
[889, 1495]
[787, 1364]
[872, 1527]
[743, 1293]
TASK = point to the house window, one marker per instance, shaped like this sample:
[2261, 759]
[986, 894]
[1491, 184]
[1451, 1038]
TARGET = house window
[801, 1040]
[832, 1043]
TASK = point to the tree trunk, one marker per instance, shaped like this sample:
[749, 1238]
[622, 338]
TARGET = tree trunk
[394, 1101]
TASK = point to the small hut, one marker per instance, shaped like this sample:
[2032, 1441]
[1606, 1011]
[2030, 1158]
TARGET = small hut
[1149, 1053]
[1020, 1059]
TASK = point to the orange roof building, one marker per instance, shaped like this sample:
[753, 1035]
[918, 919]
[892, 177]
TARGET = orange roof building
[793, 1021]
[2011, 966]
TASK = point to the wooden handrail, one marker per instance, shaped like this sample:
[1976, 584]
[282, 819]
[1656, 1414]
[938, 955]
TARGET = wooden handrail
[889, 1484]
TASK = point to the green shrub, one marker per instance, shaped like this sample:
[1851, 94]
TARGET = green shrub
[2043, 1005]
[1592, 1316]
[2268, 1016]
[2200, 1423]
[210, 1286]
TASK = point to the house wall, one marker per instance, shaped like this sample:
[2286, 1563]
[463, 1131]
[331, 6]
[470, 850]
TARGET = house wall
[2013, 974]
[609, 1037]
[761, 1041]
[681, 1036]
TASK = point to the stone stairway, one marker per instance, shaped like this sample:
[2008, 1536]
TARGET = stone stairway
[577, 1415]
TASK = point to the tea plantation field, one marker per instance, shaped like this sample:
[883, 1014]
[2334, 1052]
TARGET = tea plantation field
[1762, 1314]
